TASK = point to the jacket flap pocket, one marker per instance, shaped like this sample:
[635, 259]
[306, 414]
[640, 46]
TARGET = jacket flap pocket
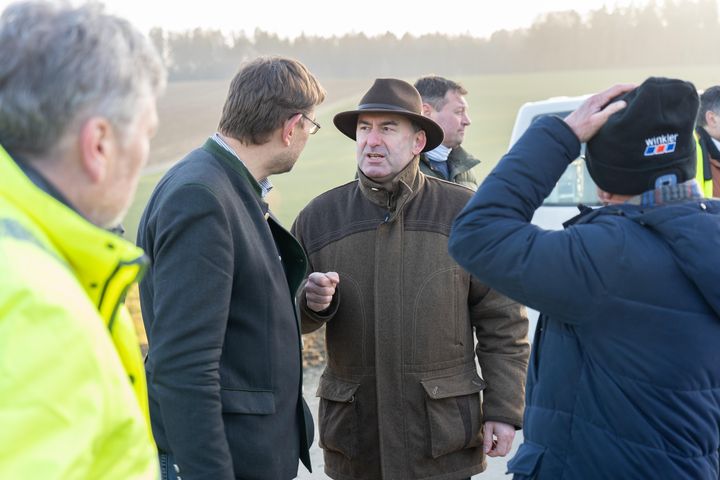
[331, 388]
[527, 459]
[247, 401]
[455, 386]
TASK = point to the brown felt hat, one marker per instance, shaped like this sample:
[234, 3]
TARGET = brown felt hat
[390, 95]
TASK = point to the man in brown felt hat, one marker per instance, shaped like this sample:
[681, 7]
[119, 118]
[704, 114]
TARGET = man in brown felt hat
[401, 397]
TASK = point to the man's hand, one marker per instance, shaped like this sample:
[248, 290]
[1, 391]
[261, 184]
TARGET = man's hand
[498, 438]
[319, 290]
[595, 111]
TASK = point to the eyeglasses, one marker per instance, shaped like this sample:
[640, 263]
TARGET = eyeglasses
[315, 126]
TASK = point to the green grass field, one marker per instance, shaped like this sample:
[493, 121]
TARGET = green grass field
[189, 113]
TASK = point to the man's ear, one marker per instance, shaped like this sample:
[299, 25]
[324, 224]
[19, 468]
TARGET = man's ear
[427, 109]
[289, 129]
[712, 118]
[420, 141]
[97, 146]
[605, 197]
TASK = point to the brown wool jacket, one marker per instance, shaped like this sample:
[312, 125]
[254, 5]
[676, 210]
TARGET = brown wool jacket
[401, 394]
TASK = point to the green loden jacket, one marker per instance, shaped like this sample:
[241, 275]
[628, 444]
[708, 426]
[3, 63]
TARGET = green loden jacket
[401, 397]
[460, 164]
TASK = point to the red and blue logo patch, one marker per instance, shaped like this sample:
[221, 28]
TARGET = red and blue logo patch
[661, 144]
[660, 149]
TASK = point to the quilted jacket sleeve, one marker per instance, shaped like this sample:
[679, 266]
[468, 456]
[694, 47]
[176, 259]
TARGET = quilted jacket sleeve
[494, 240]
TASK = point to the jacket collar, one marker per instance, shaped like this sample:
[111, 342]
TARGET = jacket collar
[232, 162]
[667, 195]
[41, 182]
[395, 193]
[212, 147]
[459, 161]
[264, 183]
[462, 159]
[707, 143]
[689, 190]
[103, 263]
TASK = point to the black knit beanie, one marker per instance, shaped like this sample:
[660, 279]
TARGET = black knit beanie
[650, 142]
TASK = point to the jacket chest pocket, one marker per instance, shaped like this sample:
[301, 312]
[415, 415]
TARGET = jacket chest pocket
[454, 412]
[338, 416]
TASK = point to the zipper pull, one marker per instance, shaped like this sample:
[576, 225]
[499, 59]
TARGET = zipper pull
[387, 217]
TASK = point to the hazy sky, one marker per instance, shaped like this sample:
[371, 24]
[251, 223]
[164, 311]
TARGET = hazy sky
[290, 18]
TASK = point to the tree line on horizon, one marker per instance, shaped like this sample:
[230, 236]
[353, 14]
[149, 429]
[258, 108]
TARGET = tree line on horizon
[673, 32]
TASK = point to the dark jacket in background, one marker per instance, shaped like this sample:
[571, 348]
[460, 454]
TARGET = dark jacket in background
[401, 395]
[460, 164]
[224, 365]
[624, 378]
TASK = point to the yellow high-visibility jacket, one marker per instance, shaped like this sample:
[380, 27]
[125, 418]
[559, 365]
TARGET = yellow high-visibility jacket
[706, 186]
[73, 399]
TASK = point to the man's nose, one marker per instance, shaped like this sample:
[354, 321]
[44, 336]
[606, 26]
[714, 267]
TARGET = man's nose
[373, 138]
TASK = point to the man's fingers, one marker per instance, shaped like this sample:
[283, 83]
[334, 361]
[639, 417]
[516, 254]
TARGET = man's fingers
[333, 277]
[498, 439]
[320, 291]
[594, 112]
[605, 96]
[320, 279]
[488, 442]
[601, 101]
[600, 106]
[316, 298]
[317, 307]
[321, 284]
[329, 279]
[317, 303]
[612, 108]
[502, 446]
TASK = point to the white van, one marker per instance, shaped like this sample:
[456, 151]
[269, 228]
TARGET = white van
[574, 187]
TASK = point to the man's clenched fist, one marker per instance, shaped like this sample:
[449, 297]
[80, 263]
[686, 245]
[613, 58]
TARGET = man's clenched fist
[319, 290]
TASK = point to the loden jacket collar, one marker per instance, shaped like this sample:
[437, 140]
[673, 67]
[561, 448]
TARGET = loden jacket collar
[394, 194]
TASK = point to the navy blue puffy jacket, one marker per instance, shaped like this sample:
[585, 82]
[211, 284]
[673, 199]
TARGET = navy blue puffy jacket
[624, 379]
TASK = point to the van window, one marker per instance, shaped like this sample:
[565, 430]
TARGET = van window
[575, 186]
